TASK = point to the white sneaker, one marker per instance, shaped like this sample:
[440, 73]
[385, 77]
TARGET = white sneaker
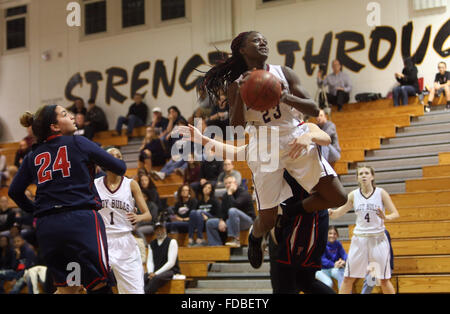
[161, 175]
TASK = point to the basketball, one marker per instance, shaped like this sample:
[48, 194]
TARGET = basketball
[261, 91]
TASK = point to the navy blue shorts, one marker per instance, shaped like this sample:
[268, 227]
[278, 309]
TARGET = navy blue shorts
[75, 236]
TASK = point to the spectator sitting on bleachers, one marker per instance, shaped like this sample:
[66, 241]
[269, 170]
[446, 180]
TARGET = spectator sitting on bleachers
[219, 115]
[3, 170]
[208, 207]
[339, 85]
[38, 274]
[162, 260]
[180, 212]
[237, 214]
[136, 117]
[23, 150]
[441, 85]
[192, 172]
[332, 152]
[176, 163]
[7, 260]
[209, 172]
[25, 258]
[159, 123]
[30, 138]
[78, 107]
[228, 169]
[169, 136]
[95, 120]
[333, 260]
[80, 122]
[7, 216]
[409, 83]
[152, 152]
[146, 184]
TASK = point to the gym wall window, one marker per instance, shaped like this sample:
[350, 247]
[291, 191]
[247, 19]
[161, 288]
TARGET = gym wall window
[15, 26]
[172, 9]
[133, 13]
[94, 16]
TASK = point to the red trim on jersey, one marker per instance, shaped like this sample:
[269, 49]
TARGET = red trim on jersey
[316, 228]
[52, 137]
[94, 281]
[301, 123]
[106, 185]
[97, 230]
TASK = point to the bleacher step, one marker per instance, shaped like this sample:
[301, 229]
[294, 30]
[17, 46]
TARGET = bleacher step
[234, 291]
[234, 284]
[402, 163]
[410, 151]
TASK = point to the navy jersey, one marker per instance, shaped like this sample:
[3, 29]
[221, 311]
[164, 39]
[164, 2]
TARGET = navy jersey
[63, 168]
[301, 239]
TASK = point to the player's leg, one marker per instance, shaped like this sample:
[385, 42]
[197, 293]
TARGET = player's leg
[356, 265]
[380, 255]
[347, 285]
[387, 287]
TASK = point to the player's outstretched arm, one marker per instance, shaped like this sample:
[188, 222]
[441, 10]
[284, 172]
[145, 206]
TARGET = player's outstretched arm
[341, 211]
[220, 149]
[142, 205]
[318, 136]
[389, 205]
[300, 98]
[100, 156]
[315, 135]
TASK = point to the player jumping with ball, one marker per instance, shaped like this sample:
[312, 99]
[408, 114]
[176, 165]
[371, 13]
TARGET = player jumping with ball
[307, 166]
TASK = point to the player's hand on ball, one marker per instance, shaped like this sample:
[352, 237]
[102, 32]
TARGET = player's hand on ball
[245, 77]
[298, 145]
[381, 214]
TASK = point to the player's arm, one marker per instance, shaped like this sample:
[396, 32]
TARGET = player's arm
[142, 205]
[299, 99]
[389, 206]
[237, 112]
[341, 211]
[318, 136]
[218, 148]
[100, 156]
[20, 183]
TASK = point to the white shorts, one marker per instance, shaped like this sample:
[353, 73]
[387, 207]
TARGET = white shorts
[270, 187]
[126, 263]
[369, 253]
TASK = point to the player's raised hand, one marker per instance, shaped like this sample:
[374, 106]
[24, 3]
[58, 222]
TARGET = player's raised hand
[298, 145]
[381, 214]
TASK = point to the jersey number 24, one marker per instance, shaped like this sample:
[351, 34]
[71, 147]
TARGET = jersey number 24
[61, 163]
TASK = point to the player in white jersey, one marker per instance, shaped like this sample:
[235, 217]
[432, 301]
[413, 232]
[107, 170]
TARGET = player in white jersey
[369, 249]
[119, 196]
[306, 165]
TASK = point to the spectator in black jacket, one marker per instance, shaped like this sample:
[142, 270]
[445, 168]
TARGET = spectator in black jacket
[95, 120]
[25, 258]
[237, 215]
[209, 172]
[7, 257]
[409, 83]
[181, 211]
[7, 216]
[136, 117]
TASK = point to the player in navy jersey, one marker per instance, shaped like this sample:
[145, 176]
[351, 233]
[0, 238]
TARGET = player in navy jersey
[69, 229]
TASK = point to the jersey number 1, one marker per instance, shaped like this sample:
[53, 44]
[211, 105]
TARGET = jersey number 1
[61, 163]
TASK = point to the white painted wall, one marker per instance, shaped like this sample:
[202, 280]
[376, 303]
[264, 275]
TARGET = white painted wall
[26, 80]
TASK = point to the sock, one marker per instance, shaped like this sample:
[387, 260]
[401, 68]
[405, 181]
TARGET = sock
[448, 102]
[253, 239]
[429, 103]
[105, 290]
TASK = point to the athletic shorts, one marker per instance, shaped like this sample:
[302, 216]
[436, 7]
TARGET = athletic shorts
[126, 263]
[369, 253]
[270, 187]
[74, 237]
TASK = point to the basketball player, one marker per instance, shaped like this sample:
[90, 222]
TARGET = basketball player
[68, 229]
[369, 246]
[119, 195]
[293, 265]
[310, 169]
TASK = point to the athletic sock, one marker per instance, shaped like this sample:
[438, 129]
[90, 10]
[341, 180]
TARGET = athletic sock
[253, 239]
[429, 103]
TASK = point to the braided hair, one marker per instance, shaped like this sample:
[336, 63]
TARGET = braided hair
[227, 70]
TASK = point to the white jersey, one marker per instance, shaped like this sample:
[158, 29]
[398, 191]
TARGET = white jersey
[116, 205]
[367, 221]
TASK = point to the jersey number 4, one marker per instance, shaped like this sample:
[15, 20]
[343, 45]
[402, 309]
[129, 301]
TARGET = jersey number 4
[61, 163]
[367, 218]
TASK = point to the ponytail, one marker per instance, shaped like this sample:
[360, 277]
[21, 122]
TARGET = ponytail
[40, 122]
